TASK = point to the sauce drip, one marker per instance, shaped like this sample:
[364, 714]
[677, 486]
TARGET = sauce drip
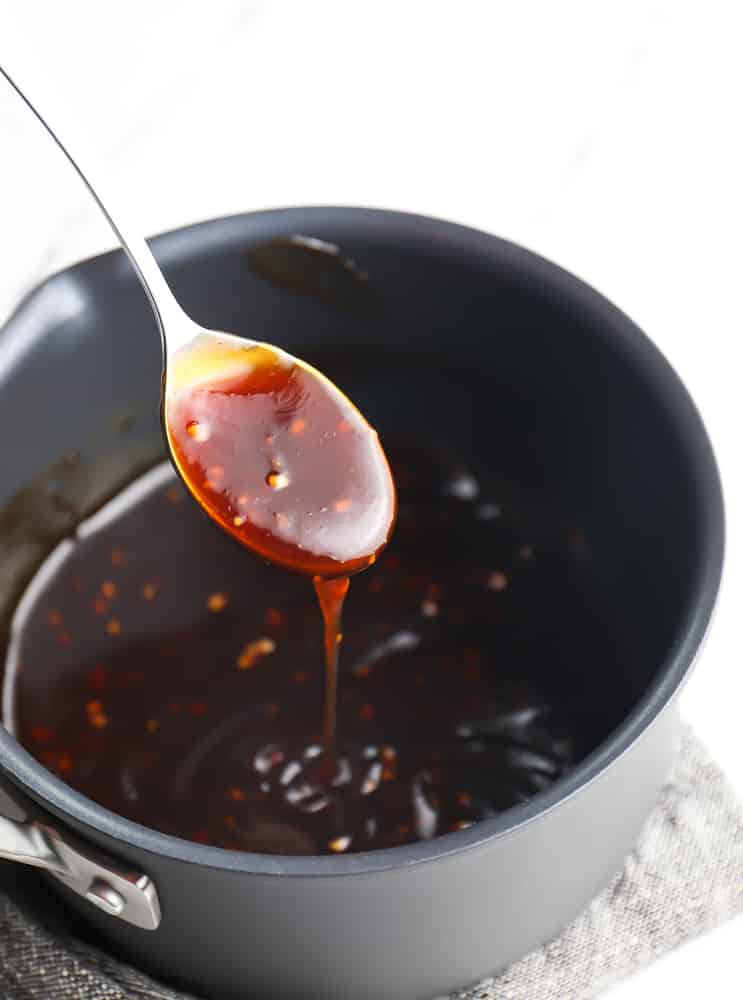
[181, 685]
[282, 460]
[331, 594]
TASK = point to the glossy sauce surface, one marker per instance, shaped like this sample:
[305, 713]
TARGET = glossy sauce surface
[279, 457]
[177, 682]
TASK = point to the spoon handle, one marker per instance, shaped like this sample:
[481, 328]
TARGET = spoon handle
[175, 326]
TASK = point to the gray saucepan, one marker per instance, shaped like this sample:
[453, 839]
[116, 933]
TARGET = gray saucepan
[567, 398]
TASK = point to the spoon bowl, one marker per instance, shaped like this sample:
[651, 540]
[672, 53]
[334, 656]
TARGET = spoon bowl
[277, 455]
[269, 447]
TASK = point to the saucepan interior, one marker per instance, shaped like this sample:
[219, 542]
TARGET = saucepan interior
[548, 397]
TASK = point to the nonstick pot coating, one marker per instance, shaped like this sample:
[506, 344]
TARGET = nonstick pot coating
[554, 386]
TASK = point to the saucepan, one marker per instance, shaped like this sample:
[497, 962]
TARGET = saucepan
[520, 365]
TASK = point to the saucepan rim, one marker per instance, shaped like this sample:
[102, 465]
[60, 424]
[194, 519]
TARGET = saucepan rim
[609, 323]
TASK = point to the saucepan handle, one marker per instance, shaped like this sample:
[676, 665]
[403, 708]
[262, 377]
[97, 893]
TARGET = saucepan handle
[128, 895]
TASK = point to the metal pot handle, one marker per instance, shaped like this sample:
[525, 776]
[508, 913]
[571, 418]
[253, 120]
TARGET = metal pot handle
[129, 895]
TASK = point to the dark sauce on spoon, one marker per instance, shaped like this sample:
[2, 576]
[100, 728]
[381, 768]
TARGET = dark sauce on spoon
[175, 681]
[279, 458]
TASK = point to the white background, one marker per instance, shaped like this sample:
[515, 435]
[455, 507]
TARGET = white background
[606, 135]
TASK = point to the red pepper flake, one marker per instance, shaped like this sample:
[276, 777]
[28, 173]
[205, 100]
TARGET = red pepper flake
[367, 712]
[300, 677]
[297, 426]
[113, 626]
[108, 589]
[197, 431]
[277, 480]
[339, 844]
[361, 670]
[342, 506]
[200, 836]
[42, 734]
[65, 763]
[229, 822]
[64, 638]
[54, 618]
[149, 591]
[152, 725]
[344, 426]
[118, 557]
[236, 794]
[254, 651]
[100, 607]
[198, 708]
[273, 617]
[97, 718]
[217, 601]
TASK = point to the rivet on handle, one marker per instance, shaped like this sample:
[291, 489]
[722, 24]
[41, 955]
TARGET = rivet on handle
[126, 895]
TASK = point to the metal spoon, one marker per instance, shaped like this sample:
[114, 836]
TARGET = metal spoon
[192, 353]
